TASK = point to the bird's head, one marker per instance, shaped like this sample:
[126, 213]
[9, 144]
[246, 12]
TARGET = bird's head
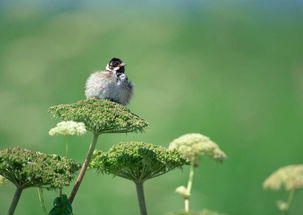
[116, 64]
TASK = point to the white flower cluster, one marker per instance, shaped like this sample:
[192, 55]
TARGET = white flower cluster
[68, 128]
[195, 146]
[291, 177]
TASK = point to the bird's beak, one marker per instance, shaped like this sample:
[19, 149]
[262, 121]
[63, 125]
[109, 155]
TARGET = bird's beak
[122, 64]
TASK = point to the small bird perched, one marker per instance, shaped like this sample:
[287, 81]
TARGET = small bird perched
[112, 83]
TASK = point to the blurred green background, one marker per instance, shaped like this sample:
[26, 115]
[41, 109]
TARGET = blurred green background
[230, 70]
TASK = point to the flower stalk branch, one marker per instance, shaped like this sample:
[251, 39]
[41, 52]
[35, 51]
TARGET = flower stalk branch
[84, 167]
[41, 199]
[289, 201]
[15, 201]
[189, 186]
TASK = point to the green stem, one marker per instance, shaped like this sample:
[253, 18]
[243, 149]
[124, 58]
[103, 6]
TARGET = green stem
[189, 186]
[141, 198]
[41, 199]
[84, 168]
[15, 201]
[66, 147]
[290, 200]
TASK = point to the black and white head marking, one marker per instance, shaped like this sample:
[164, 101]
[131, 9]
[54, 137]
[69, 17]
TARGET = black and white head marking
[117, 65]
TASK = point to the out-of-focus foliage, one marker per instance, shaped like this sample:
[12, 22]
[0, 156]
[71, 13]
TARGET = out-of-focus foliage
[2, 180]
[282, 205]
[62, 206]
[137, 161]
[204, 212]
[26, 168]
[100, 116]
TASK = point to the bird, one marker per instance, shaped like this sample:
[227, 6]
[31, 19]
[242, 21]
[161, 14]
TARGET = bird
[111, 83]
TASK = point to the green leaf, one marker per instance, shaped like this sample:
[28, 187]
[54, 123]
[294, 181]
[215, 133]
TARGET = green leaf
[62, 206]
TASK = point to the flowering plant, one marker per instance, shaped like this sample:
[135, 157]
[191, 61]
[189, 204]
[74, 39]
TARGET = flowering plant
[26, 168]
[291, 179]
[194, 147]
[99, 116]
[138, 162]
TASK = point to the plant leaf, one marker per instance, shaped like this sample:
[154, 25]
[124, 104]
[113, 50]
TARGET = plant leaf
[62, 206]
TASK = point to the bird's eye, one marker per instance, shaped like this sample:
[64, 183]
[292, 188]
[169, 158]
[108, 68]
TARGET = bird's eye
[115, 64]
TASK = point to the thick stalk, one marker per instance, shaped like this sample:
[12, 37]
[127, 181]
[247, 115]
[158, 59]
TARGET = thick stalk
[41, 199]
[84, 168]
[189, 186]
[15, 201]
[141, 198]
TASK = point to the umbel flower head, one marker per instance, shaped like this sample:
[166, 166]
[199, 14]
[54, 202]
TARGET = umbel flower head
[195, 146]
[100, 116]
[26, 168]
[290, 177]
[137, 161]
[68, 128]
